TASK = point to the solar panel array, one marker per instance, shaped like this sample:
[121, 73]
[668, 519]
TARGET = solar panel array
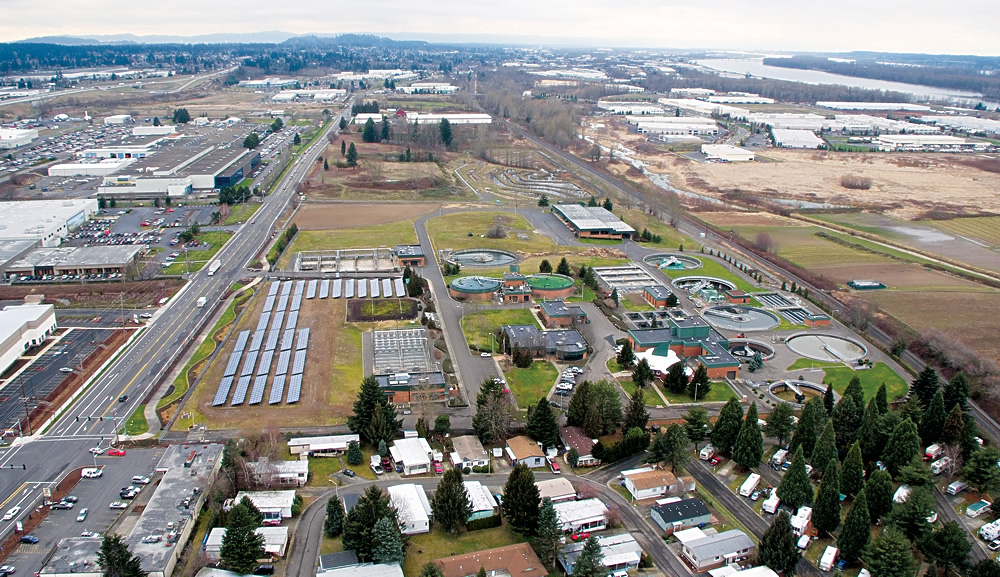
[324, 288]
[282, 302]
[284, 357]
[257, 341]
[277, 390]
[257, 393]
[223, 393]
[268, 304]
[373, 288]
[300, 287]
[286, 288]
[294, 389]
[303, 341]
[241, 341]
[299, 362]
[387, 287]
[311, 289]
[291, 320]
[248, 363]
[296, 303]
[272, 340]
[264, 366]
[265, 317]
[272, 289]
[240, 394]
[286, 339]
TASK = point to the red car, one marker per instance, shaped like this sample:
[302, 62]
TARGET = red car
[438, 468]
[554, 466]
[715, 461]
[116, 452]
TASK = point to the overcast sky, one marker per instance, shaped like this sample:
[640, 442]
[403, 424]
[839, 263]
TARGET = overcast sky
[928, 26]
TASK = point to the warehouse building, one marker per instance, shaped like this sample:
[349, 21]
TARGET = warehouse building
[592, 221]
[79, 260]
[23, 327]
[726, 153]
[787, 138]
[453, 118]
[930, 143]
[118, 119]
[104, 167]
[11, 138]
[428, 88]
[47, 221]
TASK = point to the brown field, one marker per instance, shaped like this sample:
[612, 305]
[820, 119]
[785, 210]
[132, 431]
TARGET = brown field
[900, 276]
[740, 219]
[138, 294]
[332, 374]
[336, 216]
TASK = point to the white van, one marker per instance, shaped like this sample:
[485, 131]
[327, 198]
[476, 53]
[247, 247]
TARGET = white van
[91, 473]
[750, 485]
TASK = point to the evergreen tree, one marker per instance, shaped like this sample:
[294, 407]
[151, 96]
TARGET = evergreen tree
[916, 473]
[826, 447]
[932, 422]
[545, 267]
[826, 513]
[592, 202]
[956, 392]
[431, 569]
[614, 296]
[954, 423]
[795, 489]
[777, 548]
[912, 410]
[889, 555]
[543, 201]
[115, 559]
[445, 129]
[882, 400]
[605, 397]
[981, 471]
[727, 427]
[368, 135]
[676, 445]
[677, 380]
[343, 123]
[902, 446]
[326, 165]
[855, 391]
[334, 523]
[910, 517]
[352, 155]
[695, 424]
[949, 548]
[869, 437]
[636, 414]
[748, 450]
[520, 500]
[592, 424]
[242, 545]
[374, 416]
[576, 413]
[450, 504]
[812, 420]
[879, 490]
[970, 439]
[156, 121]
[388, 541]
[383, 449]
[846, 420]
[542, 425]
[985, 568]
[573, 457]
[852, 477]
[828, 400]
[626, 357]
[590, 563]
[700, 384]
[354, 454]
[563, 268]
[925, 385]
[343, 148]
[607, 204]
[181, 116]
[857, 532]
[385, 128]
[549, 533]
[642, 374]
[359, 525]
[779, 423]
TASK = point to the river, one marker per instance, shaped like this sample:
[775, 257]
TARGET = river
[756, 67]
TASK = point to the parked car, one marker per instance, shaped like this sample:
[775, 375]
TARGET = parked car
[376, 468]
[31, 539]
[349, 473]
[116, 452]
[71, 498]
[438, 468]
[715, 461]
[82, 515]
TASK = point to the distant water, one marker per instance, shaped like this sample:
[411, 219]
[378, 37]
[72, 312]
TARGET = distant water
[756, 67]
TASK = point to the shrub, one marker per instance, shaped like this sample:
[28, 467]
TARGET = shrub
[487, 523]
[466, 471]
[855, 182]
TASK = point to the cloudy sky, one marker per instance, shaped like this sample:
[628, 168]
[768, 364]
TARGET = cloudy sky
[768, 25]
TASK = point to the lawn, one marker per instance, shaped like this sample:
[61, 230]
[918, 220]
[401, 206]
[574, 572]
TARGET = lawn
[437, 544]
[136, 424]
[529, 385]
[601, 241]
[583, 294]
[389, 234]
[242, 212]
[871, 379]
[719, 393]
[711, 267]
[639, 220]
[480, 325]
[467, 229]
[196, 259]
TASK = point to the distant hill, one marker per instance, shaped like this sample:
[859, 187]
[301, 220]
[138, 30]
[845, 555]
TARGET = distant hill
[268, 37]
[61, 40]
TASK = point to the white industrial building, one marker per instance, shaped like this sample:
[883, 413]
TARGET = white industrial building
[453, 118]
[117, 119]
[376, 117]
[738, 98]
[321, 95]
[676, 126]
[48, 221]
[874, 106]
[120, 151]
[804, 121]
[727, 153]
[161, 130]
[327, 446]
[22, 327]
[272, 82]
[428, 88]
[966, 123]
[585, 515]
[410, 502]
[275, 541]
[692, 91]
[702, 107]
[413, 454]
[11, 138]
[923, 142]
[105, 167]
[270, 502]
[787, 138]
[629, 108]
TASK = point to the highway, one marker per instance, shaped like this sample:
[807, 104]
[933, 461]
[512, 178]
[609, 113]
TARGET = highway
[139, 368]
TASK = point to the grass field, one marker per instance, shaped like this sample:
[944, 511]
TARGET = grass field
[800, 245]
[601, 241]
[196, 259]
[438, 543]
[389, 234]
[871, 379]
[241, 213]
[453, 230]
[720, 392]
[639, 220]
[480, 325]
[136, 424]
[985, 229]
[712, 267]
[529, 385]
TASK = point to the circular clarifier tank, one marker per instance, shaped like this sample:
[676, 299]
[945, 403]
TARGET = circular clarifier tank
[826, 347]
[483, 257]
[667, 261]
[475, 285]
[694, 283]
[738, 318]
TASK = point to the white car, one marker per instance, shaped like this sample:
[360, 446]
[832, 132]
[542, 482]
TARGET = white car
[119, 505]
[11, 513]
[65, 370]
[564, 387]
[485, 355]
[97, 450]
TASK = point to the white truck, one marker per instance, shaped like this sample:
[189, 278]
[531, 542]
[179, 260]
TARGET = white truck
[201, 302]
[779, 458]
[933, 452]
[750, 485]
[940, 465]
[214, 267]
[91, 473]
[771, 503]
[828, 559]
[706, 453]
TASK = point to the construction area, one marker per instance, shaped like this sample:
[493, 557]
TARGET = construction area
[346, 261]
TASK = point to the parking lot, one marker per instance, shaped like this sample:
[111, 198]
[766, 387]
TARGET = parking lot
[95, 495]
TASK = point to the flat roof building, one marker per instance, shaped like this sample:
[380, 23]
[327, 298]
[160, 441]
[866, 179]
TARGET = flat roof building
[273, 502]
[453, 118]
[414, 455]
[556, 490]
[48, 221]
[329, 445]
[562, 344]
[790, 138]
[23, 327]
[585, 515]
[592, 221]
[98, 259]
[410, 502]
[11, 138]
[727, 153]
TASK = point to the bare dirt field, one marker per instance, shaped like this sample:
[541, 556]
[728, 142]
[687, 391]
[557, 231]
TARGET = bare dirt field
[322, 216]
[902, 276]
[333, 374]
[96, 294]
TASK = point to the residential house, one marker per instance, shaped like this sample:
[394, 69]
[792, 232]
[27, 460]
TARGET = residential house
[576, 438]
[619, 553]
[275, 541]
[704, 552]
[524, 450]
[325, 446]
[286, 473]
[682, 514]
[278, 503]
[345, 564]
[585, 515]
[468, 452]
[511, 561]
[650, 484]
[412, 506]
[557, 490]
[414, 455]
[481, 501]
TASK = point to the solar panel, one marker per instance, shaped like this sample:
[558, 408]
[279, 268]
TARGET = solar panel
[373, 287]
[400, 287]
[272, 289]
[277, 389]
[324, 288]
[311, 289]
[272, 339]
[348, 288]
[257, 393]
[234, 364]
[241, 341]
[282, 303]
[303, 341]
[300, 287]
[337, 288]
[299, 362]
[265, 362]
[223, 393]
[362, 290]
[292, 320]
[286, 288]
[256, 341]
[248, 364]
[262, 322]
[240, 394]
[286, 339]
[387, 288]
[294, 389]
[296, 303]
[268, 305]
[276, 319]
[284, 357]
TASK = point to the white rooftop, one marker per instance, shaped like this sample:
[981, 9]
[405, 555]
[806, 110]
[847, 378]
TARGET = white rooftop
[689, 535]
[570, 511]
[268, 499]
[411, 452]
[411, 502]
[275, 538]
[480, 497]
[557, 487]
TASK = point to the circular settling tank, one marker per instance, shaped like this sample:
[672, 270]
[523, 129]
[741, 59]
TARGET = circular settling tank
[796, 391]
[474, 287]
[745, 349]
[695, 283]
[550, 286]
[826, 347]
[737, 318]
[484, 257]
[667, 261]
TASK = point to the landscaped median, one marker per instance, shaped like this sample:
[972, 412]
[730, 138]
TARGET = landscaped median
[196, 259]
